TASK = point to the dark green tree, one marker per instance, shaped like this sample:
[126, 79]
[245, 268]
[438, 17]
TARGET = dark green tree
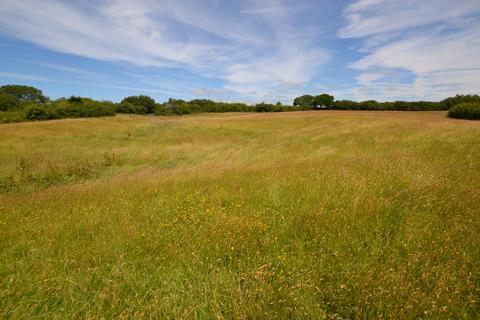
[141, 101]
[24, 93]
[466, 110]
[460, 98]
[322, 101]
[8, 102]
[304, 101]
[74, 99]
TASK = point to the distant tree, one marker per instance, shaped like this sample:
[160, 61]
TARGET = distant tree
[370, 105]
[304, 101]
[345, 105]
[466, 110]
[143, 101]
[24, 93]
[459, 98]
[8, 102]
[36, 112]
[127, 107]
[322, 101]
[74, 99]
[264, 107]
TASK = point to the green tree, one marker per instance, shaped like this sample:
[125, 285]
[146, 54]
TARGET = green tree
[74, 99]
[128, 107]
[466, 110]
[322, 101]
[141, 101]
[8, 102]
[459, 98]
[24, 93]
[36, 112]
[304, 101]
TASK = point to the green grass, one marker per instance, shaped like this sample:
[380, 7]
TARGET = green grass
[308, 215]
[12, 116]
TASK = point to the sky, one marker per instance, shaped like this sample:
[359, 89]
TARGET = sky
[249, 50]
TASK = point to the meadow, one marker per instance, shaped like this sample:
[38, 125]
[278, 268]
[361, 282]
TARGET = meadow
[313, 214]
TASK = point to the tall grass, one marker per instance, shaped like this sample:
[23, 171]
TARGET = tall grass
[294, 215]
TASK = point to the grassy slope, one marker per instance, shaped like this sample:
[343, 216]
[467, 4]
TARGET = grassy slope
[311, 214]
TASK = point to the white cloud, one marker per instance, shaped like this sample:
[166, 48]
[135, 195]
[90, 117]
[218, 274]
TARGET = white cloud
[22, 76]
[370, 17]
[437, 41]
[211, 92]
[243, 43]
[367, 78]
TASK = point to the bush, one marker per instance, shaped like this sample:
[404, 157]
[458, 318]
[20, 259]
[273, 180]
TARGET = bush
[396, 106]
[8, 102]
[12, 116]
[128, 107]
[469, 111]
[264, 107]
[83, 108]
[143, 104]
[36, 112]
[75, 99]
[175, 106]
[460, 98]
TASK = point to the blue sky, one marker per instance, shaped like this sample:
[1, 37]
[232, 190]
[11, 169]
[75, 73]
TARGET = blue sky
[251, 50]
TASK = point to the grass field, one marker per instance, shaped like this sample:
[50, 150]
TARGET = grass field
[342, 215]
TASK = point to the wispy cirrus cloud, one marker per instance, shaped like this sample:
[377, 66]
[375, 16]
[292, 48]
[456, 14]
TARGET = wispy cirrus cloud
[23, 76]
[252, 50]
[245, 43]
[371, 17]
[436, 41]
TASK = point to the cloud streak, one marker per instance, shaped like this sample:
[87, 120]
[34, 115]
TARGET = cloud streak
[256, 50]
[22, 76]
[244, 43]
[436, 41]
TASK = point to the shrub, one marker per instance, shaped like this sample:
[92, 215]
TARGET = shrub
[81, 108]
[12, 116]
[397, 105]
[141, 102]
[466, 110]
[128, 107]
[174, 106]
[460, 98]
[264, 107]
[181, 107]
[8, 102]
[36, 112]
[75, 99]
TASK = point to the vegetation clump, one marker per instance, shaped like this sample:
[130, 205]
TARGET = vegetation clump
[74, 107]
[467, 110]
[137, 104]
[24, 94]
[24, 103]
[8, 102]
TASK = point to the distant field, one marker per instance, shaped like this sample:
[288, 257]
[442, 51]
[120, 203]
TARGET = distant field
[312, 215]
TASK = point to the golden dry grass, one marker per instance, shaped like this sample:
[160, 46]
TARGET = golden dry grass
[289, 215]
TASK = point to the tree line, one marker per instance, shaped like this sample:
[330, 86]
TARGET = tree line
[23, 103]
[325, 101]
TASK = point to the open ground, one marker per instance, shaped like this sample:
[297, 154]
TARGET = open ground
[321, 214]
